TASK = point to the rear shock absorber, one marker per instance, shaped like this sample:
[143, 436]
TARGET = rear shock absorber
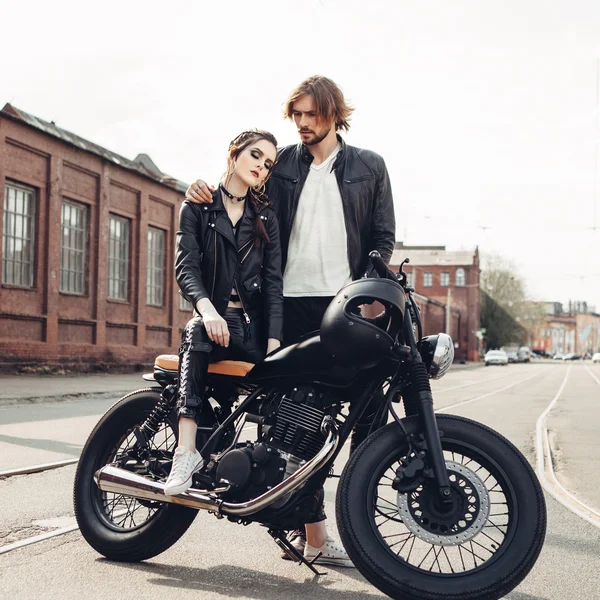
[157, 417]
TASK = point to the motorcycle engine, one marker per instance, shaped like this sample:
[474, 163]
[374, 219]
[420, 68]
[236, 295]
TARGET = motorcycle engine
[290, 435]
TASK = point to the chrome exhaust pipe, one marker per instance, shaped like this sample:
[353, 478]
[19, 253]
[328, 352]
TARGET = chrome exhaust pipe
[120, 481]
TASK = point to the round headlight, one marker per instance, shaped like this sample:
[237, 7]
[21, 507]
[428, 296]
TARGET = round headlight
[438, 354]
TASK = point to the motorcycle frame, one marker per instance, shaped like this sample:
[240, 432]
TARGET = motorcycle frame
[368, 384]
[404, 356]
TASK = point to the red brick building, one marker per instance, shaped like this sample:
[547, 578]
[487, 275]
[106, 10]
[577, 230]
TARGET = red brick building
[87, 251]
[562, 333]
[444, 278]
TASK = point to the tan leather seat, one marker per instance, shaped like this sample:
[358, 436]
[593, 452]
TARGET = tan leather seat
[233, 368]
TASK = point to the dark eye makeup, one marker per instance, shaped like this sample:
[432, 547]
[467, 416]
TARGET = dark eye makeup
[258, 154]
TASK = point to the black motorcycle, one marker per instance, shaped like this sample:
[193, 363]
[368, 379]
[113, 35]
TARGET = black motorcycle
[428, 506]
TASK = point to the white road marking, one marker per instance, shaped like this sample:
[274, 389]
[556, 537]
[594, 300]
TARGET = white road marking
[466, 385]
[38, 468]
[486, 395]
[37, 538]
[545, 466]
[593, 376]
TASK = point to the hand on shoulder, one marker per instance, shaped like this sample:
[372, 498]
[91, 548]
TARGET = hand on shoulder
[200, 192]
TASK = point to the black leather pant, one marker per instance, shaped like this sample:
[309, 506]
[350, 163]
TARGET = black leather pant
[246, 343]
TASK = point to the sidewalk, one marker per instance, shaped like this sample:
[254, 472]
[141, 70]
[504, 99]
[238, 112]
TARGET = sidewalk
[30, 389]
[18, 389]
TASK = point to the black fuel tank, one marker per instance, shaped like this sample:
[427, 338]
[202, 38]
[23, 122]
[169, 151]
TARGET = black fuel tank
[305, 361]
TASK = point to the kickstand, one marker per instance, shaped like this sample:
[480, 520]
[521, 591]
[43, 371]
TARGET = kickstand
[281, 540]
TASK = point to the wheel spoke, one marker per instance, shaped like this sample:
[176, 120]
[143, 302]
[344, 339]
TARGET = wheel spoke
[428, 553]
[415, 533]
[130, 513]
[436, 555]
[412, 545]
[447, 559]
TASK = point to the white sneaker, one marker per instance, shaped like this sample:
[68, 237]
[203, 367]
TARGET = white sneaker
[185, 464]
[333, 553]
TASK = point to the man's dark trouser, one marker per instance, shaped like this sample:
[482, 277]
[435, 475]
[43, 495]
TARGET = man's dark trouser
[303, 315]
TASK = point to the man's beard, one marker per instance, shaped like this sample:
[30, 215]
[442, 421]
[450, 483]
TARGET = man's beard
[317, 139]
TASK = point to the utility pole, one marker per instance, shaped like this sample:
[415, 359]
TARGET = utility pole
[448, 299]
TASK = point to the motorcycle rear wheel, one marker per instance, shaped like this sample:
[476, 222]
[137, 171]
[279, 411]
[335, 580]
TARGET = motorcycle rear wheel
[119, 527]
[481, 551]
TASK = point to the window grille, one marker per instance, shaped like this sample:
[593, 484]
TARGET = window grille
[460, 277]
[155, 287]
[73, 248]
[118, 257]
[18, 235]
[184, 304]
[427, 279]
[444, 279]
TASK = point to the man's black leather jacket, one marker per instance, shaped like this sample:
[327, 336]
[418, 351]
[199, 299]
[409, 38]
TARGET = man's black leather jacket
[366, 196]
[209, 261]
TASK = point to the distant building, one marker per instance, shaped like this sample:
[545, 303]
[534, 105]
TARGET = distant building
[446, 278]
[579, 333]
[87, 249]
[554, 309]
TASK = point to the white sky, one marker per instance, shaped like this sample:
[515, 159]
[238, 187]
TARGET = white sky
[484, 111]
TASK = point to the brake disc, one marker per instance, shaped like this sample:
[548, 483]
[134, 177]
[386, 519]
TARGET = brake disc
[421, 513]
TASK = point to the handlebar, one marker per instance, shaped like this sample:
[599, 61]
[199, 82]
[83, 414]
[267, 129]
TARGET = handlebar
[413, 312]
[380, 266]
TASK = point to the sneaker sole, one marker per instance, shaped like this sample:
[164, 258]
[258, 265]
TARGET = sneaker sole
[335, 562]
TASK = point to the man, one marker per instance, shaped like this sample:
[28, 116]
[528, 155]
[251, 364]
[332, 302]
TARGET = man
[334, 205]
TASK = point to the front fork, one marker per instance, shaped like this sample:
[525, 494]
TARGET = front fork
[434, 445]
[419, 399]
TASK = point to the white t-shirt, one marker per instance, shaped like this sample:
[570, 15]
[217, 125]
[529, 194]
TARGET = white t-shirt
[317, 261]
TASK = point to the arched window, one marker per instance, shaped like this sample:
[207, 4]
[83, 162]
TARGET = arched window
[460, 277]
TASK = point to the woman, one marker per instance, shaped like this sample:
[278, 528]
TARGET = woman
[228, 265]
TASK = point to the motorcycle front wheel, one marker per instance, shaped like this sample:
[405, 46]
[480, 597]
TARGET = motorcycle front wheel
[411, 547]
[120, 527]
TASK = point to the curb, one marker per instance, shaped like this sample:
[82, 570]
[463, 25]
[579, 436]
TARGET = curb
[116, 394]
[466, 366]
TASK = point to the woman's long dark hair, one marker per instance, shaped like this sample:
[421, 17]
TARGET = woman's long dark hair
[256, 195]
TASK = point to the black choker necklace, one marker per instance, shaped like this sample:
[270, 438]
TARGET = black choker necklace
[230, 195]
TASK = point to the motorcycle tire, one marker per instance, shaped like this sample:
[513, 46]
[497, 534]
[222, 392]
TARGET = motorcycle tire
[359, 507]
[166, 524]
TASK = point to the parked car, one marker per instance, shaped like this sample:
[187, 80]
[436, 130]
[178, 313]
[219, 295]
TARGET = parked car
[495, 357]
[524, 356]
[571, 356]
[558, 356]
[513, 357]
[596, 358]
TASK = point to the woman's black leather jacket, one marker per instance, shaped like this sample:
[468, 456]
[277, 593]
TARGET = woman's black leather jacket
[209, 261]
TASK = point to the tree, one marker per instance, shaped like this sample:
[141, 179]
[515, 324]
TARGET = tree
[508, 316]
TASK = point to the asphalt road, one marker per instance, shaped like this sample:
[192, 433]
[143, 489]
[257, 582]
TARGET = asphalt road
[217, 559]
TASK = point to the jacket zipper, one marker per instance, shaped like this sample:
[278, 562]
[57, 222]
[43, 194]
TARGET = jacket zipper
[246, 317]
[286, 177]
[215, 268]
[359, 179]
[346, 219]
[247, 253]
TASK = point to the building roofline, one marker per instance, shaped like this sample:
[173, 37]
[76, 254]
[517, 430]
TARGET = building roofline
[142, 165]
